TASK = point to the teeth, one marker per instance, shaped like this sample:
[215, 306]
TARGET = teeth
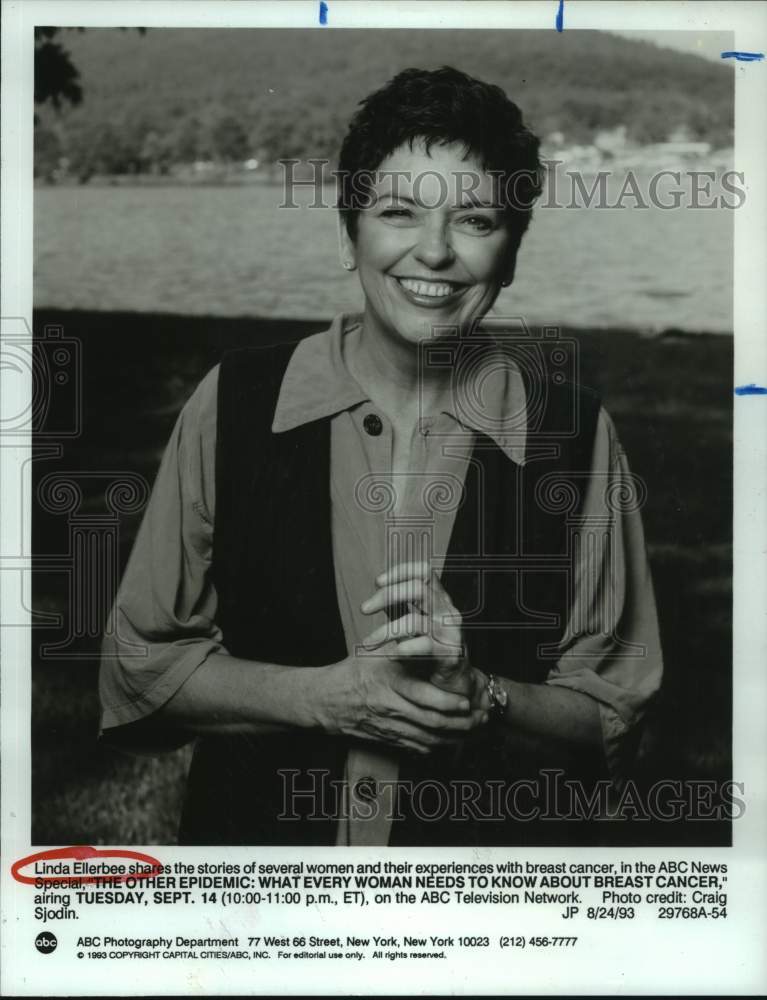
[434, 289]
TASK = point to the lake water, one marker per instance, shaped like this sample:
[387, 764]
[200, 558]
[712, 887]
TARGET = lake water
[231, 251]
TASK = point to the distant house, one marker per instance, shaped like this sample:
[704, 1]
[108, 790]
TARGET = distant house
[611, 143]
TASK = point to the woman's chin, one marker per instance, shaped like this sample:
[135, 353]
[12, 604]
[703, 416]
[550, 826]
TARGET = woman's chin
[426, 329]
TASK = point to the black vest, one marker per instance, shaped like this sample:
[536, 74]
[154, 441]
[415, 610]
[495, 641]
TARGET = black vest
[506, 571]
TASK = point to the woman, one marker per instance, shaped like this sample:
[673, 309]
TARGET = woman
[356, 582]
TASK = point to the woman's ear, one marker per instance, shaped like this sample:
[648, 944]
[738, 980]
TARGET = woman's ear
[346, 249]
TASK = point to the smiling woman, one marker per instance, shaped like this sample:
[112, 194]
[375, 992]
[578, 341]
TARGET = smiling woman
[447, 184]
[394, 569]
[421, 248]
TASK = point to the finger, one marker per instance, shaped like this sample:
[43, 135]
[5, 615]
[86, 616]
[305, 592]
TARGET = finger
[409, 592]
[415, 747]
[459, 724]
[479, 717]
[429, 696]
[404, 571]
[426, 647]
[404, 737]
[420, 647]
[435, 595]
[455, 726]
[437, 723]
[425, 736]
[397, 630]
[474, 720]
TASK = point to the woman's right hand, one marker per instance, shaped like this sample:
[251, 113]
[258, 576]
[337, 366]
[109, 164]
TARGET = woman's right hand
[375, 698]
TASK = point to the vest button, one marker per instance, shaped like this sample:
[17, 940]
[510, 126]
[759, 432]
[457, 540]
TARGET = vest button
[372, 424]
[366, 789]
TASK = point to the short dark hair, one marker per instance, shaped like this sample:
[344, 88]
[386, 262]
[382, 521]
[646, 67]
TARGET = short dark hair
[439, 107]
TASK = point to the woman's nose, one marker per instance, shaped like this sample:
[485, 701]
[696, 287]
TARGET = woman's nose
[434, 248]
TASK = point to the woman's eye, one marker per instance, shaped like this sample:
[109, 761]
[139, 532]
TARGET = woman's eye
[477, 222]
[396, 213]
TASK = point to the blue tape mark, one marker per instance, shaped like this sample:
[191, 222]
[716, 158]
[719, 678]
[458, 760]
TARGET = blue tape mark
[744, 56]
[323, 12]
[751, 390]
[560, 21]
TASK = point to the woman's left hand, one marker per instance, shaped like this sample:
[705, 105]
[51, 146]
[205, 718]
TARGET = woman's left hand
[428, 631]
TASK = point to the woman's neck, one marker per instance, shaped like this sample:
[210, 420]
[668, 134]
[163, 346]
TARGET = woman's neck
[392, 374]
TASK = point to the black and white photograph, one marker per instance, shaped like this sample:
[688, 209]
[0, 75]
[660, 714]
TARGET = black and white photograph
[381, 488]
[436, 352]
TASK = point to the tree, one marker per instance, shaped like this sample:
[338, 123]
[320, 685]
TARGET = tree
[101, 147]
[56, 76]
[47, 153]
[229, 139]
[183, 139]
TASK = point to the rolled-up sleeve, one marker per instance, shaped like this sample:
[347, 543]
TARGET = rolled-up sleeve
[611, 647]
[162, 625]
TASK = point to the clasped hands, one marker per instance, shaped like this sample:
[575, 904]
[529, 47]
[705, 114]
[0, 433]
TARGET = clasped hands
[419, 692]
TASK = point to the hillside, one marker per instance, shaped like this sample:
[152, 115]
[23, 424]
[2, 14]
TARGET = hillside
[173, 96]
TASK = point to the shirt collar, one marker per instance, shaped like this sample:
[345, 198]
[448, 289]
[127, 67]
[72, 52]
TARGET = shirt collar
[317, 385]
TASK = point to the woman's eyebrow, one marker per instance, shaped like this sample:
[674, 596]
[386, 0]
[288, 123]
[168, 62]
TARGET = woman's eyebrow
[395, 196]
[471, 201]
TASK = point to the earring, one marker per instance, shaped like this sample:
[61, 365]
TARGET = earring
[348, 265]
[505, 284]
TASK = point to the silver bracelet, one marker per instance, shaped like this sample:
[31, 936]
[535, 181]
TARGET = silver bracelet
[498, 695]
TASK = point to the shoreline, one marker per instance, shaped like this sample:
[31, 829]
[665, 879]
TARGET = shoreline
[315, 322]
[221, 175]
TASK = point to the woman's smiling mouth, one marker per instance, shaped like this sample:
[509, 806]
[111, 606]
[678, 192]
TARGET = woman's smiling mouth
[430, 293]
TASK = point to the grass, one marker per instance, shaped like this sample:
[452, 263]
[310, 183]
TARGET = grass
[671, 399]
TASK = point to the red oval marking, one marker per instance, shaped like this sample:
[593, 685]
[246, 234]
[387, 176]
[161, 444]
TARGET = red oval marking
[84, 853]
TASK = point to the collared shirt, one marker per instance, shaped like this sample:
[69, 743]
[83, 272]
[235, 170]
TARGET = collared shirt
[163, 625]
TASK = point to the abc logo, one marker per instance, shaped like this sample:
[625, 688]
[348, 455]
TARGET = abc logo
[46, 942]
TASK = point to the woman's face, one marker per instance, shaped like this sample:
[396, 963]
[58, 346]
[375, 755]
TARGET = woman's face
[433, 249]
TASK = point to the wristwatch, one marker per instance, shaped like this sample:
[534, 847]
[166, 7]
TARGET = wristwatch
[498, 695]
